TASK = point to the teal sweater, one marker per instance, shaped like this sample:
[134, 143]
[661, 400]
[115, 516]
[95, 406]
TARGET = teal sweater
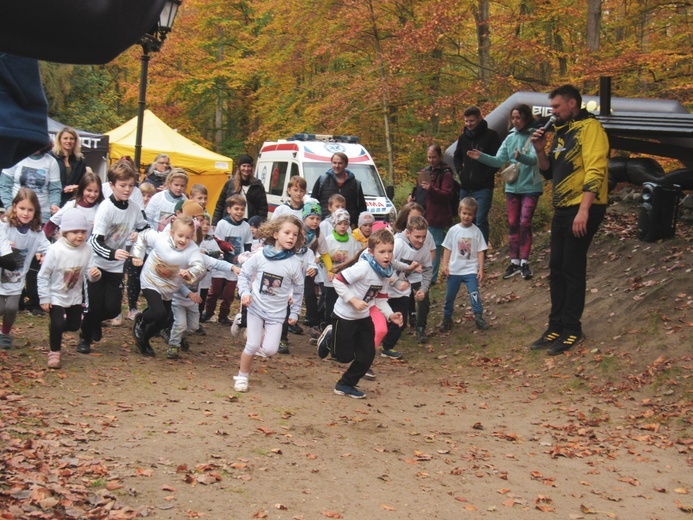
[529, 180]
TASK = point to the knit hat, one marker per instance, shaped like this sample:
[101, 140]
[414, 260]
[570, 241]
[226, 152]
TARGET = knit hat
[381, 224]
[311, 208]
[245, 159]
[73, 220]
[339, 215]
[255, 221]
[366, 218]
[189, 208]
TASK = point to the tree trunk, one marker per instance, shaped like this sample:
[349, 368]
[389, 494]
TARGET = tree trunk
[483, 41]
[594, 23]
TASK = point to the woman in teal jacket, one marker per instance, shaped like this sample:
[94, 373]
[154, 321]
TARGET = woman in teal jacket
[521, 196]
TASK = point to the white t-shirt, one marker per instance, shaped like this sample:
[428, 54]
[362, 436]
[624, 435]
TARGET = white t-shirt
[89, 213]
[115, 225]
[239, 236]
[24, 247]
[160, 271]
[340, 252]
[271, 283]
[465, 244]
[288, 209]
[405, 253]
[41, 174]
[61, 277]
[161, 209]
[365, 284]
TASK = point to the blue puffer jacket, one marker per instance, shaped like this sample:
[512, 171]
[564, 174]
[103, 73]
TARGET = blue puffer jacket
[529, 180]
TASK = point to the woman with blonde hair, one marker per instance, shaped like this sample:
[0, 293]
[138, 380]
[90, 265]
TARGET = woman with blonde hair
[67, 150]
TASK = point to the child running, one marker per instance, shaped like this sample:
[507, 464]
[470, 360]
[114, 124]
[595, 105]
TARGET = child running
[174, 258]
[60, 280]
[463, 263]
[22, 226]
[360, 285]
[116, 220]
[266, 282]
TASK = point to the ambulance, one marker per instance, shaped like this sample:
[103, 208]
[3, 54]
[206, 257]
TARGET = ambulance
[309, 155]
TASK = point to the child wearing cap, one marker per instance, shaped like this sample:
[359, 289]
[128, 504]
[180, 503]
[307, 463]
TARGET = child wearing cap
[361, 233]
[60, 280]
[341, 247]
[317, 255]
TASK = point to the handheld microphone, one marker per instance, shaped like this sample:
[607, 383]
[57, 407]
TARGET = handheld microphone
[548, 124]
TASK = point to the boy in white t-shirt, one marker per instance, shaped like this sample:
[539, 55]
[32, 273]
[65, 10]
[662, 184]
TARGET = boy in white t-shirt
[463, 262]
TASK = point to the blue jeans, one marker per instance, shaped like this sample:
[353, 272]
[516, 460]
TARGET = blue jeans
[484, 198]
[453, 287]
[438, 235]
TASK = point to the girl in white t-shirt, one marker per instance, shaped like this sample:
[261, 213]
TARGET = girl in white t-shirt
[360, 285]
[267, 280]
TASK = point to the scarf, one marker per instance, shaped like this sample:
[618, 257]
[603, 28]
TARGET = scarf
[340, 238]
[228, 219]
[379, 269]
[310, 236]
[272, 254]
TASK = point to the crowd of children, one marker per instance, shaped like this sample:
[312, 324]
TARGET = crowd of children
[361, 284]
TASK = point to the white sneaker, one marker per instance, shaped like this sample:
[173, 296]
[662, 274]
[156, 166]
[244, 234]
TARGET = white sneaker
[117, 321]
[236, 325]
[241, 383]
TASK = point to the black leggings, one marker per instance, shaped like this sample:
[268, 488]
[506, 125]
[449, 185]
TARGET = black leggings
[156, 316]
[63, 319]
[104, 302]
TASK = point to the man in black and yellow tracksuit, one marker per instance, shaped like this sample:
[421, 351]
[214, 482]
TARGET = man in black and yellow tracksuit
[577, 164]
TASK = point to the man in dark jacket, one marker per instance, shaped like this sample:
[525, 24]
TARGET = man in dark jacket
[477, 179]
[340, 180]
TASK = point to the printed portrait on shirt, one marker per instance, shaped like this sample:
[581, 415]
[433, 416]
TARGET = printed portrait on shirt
[164, 269]
[372, 292]
[71, 277]
[15, 276]
[165, 218]
[270, 284]
[464, 246]
[340, 256]
[118, 235]
[33, 178]
[232, 256]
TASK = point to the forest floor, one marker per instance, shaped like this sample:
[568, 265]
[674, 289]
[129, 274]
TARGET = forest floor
[470, 425]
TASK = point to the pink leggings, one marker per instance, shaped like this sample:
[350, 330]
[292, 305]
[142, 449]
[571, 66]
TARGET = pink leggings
[379, 324]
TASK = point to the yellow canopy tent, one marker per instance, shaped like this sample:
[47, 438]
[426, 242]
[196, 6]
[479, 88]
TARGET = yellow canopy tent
[202, 166]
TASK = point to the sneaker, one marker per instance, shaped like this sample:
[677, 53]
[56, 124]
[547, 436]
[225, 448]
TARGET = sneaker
[325, 342]
[390, 353]
[37, 311]
[54, 359]
[283, 348]
[525, 272]
[412, 320]
[117, 321]
[204, 317]
[165, 335]
[184, 345]
[421, 335]
[132, 314]
[137, 331]
[236, 325]
[546, 340]
[224, 321]
[370, 375]
[201, 331]
[296, 329]
[314, 332]
[240, 383]
[5, 341]
[82, 346]
[480, 321]
[446, 325]
[511, 271]
[349, 391]
[172, 353]
[565, 342]
[144, 347]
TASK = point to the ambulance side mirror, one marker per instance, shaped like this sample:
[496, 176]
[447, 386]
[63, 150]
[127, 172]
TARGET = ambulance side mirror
[390, 192]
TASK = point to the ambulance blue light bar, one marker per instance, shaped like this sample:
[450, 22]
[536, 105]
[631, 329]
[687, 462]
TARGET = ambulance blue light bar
[328, 138]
